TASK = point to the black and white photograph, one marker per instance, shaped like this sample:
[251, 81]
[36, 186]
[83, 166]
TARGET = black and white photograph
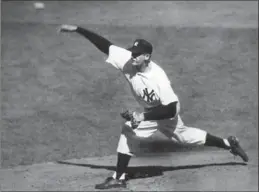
[129, 96]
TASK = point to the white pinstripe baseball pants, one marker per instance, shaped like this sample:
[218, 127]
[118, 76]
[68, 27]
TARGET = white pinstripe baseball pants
[173, 129]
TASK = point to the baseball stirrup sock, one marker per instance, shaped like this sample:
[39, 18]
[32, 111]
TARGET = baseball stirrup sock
[122, 164]
[214, 141]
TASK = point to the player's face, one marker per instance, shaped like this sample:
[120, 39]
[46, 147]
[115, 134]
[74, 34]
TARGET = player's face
[138, 60]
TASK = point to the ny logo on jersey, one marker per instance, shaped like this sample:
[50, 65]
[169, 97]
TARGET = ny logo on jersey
[148, 96]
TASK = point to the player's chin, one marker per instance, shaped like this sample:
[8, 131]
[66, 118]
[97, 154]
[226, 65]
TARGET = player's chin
[137, 67]
[136, 64]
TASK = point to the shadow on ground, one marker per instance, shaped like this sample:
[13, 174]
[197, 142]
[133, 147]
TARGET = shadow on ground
[138, 172]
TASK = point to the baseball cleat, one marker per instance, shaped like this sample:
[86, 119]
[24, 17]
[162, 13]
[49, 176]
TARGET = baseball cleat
[236, 149]
[110, 182]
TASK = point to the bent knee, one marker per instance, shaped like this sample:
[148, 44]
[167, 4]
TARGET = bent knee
[191, 136]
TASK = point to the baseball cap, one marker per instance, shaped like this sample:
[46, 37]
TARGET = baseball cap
[141, 46]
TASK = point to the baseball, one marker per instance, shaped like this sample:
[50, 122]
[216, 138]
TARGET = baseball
[39, 5]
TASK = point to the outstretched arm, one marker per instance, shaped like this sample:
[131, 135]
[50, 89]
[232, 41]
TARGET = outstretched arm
[100, 42]
[117, 56]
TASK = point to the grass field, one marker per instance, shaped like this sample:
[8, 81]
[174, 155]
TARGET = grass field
[61, 101]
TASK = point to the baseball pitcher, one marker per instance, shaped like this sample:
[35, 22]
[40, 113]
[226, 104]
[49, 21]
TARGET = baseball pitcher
[152, 89]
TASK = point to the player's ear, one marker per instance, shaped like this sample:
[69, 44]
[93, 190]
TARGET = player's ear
[147, 56]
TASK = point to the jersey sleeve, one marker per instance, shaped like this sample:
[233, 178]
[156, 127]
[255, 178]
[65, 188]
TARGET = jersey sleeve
[166, 92]
[167, 95]
[118, 56]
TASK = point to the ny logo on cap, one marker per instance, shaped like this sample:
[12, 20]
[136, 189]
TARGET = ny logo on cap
[136, 43]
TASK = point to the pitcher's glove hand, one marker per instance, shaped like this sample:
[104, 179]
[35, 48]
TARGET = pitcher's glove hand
[134, 117]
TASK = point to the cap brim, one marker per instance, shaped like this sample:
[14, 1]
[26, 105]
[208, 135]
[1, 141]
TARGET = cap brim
[135, 50]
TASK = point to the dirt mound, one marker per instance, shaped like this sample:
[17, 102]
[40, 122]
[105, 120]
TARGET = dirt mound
[206, 171]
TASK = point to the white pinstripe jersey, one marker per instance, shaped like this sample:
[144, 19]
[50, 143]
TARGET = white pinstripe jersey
[151, 88]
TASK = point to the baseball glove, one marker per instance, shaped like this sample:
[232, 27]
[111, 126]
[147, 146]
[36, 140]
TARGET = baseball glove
[132, 117]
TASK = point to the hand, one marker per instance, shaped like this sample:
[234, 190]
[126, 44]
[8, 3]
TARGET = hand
[67, 28]
[134, 117]
[137, 116]
[136, 120]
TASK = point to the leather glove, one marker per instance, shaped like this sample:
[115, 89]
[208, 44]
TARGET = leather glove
[135, 118]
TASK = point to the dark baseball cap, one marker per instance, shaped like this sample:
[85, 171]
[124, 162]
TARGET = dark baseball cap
[141, 46]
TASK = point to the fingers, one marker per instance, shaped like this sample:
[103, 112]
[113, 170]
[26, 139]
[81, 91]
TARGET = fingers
[67, 28]
[60, 29]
